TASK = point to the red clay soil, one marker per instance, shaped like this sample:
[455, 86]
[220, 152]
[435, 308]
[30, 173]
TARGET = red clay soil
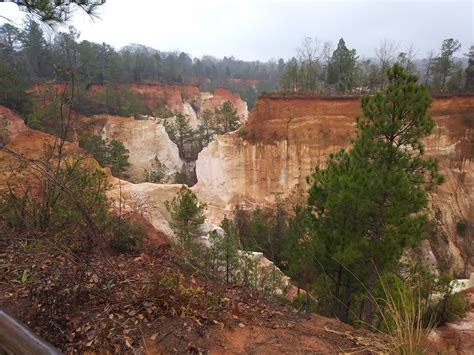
[272, 117]
[149, 302]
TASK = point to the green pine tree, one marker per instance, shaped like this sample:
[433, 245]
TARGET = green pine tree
[226, 118]
[118, 156]
[370, 204]
[341, 71]
[187, 216]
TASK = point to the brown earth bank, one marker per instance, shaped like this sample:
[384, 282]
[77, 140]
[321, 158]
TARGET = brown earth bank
[285, 138]
[184, 99]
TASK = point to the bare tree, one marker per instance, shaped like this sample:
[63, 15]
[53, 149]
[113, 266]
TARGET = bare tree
[309, 50]
[429, 64]
[326, 55]
[386, 54]
[309, 55]
[407, 59]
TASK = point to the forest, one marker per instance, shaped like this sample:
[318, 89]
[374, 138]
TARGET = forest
[31, 54]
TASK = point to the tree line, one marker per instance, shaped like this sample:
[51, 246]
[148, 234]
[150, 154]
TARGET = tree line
[29, 54]
[34, 55]
[320, 69]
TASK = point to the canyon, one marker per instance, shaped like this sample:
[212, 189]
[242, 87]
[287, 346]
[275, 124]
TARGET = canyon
[285, 138]
[183, 99]
[281, 143]
[270, 156]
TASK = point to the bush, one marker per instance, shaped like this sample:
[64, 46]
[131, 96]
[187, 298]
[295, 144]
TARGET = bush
[13, 89]
[462, 227]
[70, 201]
[4, 131]
[46, 114]
[97, 146]
[451, 306]
[162, 112]
[112, 154]
[126, 235]
[157, 172]
[305, 303]
[450, 309]
[187, 217]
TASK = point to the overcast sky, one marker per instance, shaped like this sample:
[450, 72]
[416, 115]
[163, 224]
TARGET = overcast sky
[264, 29]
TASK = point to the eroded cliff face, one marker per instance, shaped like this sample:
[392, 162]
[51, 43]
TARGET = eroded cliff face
[25, 143]
[183, 99]
[145, 140]
[285, 138]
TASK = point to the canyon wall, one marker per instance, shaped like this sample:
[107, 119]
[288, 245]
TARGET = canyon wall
[144, 139]
[285, 138]
[182, 98]
[147, 139]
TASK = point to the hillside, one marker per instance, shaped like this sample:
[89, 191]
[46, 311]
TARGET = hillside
[148, 301]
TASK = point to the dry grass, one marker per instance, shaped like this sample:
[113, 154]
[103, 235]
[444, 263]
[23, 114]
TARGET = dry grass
[404, 319]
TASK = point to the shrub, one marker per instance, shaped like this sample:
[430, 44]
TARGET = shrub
[157, 172]
[305, 303]
[68, 201]
[118, 157]
[187, 217]
[462, 227]
[112, 154]
[13, 88]
[180, 178]
[97, 146]
[403, 312]
[162, 112]
[451, 306]
[4, 131]
[126, 235]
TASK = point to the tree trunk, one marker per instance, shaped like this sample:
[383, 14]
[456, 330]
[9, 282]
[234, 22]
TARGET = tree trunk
[367, 313]
[346, 302]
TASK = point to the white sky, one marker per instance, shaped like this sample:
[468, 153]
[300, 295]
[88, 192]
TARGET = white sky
[264, 29]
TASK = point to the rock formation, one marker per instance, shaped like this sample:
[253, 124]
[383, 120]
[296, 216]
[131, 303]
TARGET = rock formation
[145, 140]
[285, 138]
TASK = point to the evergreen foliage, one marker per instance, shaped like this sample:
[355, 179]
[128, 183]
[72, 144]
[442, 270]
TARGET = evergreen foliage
[341, 71]
[187, 216]
[157, 172]
[470, 71]
[225, 118]
[118, 157]
[369, 204]
[58, 11]
[444, 66]
[111, 154]
[180, 132]
[12, 89]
